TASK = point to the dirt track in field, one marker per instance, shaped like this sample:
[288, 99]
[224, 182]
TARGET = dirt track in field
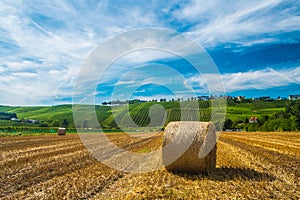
[249, 166]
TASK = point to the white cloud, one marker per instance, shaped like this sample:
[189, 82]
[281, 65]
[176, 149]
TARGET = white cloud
[24, 74]
[129, 82]
[259, 41]
[260, 79]
[223, 21]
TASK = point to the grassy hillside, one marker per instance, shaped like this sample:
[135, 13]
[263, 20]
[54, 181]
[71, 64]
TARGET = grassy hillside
[138, 115]
[240, 111]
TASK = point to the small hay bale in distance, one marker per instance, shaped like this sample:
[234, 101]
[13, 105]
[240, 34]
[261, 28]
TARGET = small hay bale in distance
[61, 131]
[189, 147]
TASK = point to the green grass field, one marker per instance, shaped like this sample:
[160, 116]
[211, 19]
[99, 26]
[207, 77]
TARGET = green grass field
[139, 113]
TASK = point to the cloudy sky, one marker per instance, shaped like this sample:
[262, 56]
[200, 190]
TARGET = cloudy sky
[254, 44]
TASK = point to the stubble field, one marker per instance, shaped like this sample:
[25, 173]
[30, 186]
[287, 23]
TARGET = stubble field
[249, 166]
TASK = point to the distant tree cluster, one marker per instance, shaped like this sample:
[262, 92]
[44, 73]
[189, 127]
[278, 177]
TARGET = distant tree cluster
[285, 120]
[7, 116]
[57, 123]
[120, 102]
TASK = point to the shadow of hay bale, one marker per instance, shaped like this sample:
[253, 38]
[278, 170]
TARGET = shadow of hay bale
[228, 173]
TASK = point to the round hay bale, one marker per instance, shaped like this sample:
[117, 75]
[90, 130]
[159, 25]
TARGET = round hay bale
[189, 147]
[61, 131]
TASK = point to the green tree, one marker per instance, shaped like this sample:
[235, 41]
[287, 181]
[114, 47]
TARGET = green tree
[65, 123]
[228, 124]
[293, 108]
[44, 124]
[253, 127]
[85, 124]
[55, 123]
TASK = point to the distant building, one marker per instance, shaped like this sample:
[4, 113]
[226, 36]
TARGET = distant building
[14, 119]
[32, 121]
[229, 97]
[294, 97]
[240, 98]
[253, 120]
[281, 98]
[234, 130]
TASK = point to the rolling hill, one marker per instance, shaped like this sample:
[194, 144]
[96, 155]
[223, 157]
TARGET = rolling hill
[139, 114]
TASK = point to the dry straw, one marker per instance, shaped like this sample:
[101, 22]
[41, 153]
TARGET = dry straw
[189, 147]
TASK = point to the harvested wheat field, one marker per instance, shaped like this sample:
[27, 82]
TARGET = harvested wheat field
[249, 166]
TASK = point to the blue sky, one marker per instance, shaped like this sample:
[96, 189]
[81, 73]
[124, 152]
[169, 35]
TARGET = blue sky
[255, 45]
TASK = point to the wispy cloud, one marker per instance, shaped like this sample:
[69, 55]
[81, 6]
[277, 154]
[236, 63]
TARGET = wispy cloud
[44, 44]
[57, 36]
[230, 21]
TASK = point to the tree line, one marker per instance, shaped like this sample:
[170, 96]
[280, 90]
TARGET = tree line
[7, 116]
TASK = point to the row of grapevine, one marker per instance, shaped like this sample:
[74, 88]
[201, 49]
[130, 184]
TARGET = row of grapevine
[26, 129]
